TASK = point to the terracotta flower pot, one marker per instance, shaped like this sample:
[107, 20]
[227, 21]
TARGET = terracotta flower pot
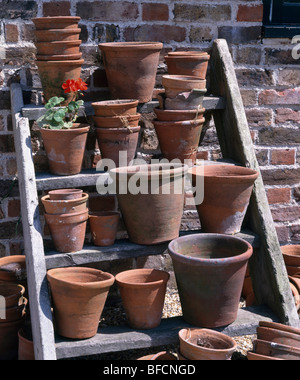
[113, 141]
[71, 206]
[119, 107]
[227, 192]
[51, 35]
[280, 327]
[15, 313]
[65, 194]
[202, 344]
[177, 84]
[292, 271]
[13, 269]
[179, 139]
[13, 294]
[58, 47]
[253, 356]
[160, 203]
[65, 148]
[164, 355]
[210, 270]
[102, 203]
[104, 227]
[130, 121]
[186, 100]
[54, 73]
[68, 231]
[191, 65]
[26, 348]
[278, 336]
[131, 68]
[183, 53]
[57, 22]
[61, 57]
[276, 350]
[178, 115]
[9, 339]
[79, 295]
[143, 294]
[291, 255]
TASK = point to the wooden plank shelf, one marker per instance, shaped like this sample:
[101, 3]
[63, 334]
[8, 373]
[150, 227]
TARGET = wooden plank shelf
[122, 249]
[123, 338]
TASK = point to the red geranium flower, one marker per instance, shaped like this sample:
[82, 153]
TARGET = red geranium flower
[81, 85]
[73, 86]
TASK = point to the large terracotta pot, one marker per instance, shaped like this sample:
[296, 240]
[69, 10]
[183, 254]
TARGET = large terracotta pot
[131, 121]
[227, 192]
[58, 47]
[210, 270]
[79, 296]
[291, 255]
[57, 22]
[68, 231]
[65, 148]
[179, 139]
[276, 350]
[104, 227]
[119, 107]
[54, 73]
[131, 68]
[203, 344]
[177, 84]
[153, 215]
[191, 65]
[71, 206]
[143, 294]
[113, 141]
[26, 348]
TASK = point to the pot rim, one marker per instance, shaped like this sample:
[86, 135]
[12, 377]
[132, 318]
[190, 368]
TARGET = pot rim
[83, 128]
[63, 218]
[61, 31]
[182, 78]
[249, 176]
[19, 290]
[58, 43]
[188, 52]
[97, 214]
[291, 250]
[146, 45]
[159, 110]
[244, 256]
[155, 170]
[279, 346]
[117, 117]
[83, 199]
[286, 334]
[126, 283]
[74, 62]
[214, 333]
[55, 18]
[194, 57]
[53, 275]
[115, 103]
[118, 130]
[280, 327]
[183, 123]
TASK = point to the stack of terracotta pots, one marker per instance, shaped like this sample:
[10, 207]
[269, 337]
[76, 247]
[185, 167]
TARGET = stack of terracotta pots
[66, 214]
[117, 128]
[276, 341]
[58, 53]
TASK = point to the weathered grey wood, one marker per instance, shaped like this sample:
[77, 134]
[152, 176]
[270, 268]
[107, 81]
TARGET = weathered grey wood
[122, 249]
[122, 338]
[41, 318]
[267, 267]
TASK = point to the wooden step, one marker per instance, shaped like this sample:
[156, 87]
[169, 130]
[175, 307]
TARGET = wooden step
[123, 338]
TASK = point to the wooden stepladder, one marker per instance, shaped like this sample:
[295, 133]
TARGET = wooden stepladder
[270, 279]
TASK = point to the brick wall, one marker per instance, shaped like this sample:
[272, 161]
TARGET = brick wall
[268, 75]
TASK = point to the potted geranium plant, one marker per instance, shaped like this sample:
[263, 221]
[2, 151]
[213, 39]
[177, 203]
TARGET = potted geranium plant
[64, 138]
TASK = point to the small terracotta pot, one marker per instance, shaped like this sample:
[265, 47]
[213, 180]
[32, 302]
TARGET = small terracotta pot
[15, 313]
[178, 115]
[143, 294]
[54, 73]
[51, 35]
[71, 206]
[58, 47]
[159, 356]
[276, 350]
[278, 336]
[68, 231]
[102, 203]
[131, 121]
[9, 339]
[131, 68]
[291, 255]
[177, 84]
[26, 348]
[199, 258]
[13, 294]
[202, 344]
[227, 193]
[62, 57]
[191, 65]
[160, 203]
[120, 107]
[253, 356]
[179, 139]
[104, 227]
[57, 22]
[113, 141]
[65, 194]
[79, 295]
[65, 148]
[186, 100]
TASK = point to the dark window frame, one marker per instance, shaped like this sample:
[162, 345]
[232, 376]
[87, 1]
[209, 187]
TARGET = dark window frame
[278, 19]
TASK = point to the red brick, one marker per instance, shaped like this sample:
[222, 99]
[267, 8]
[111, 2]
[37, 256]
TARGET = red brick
[107, 11]
[13, 208]
[155, 12]
[11, 33]
[284, 115]
[281, 195]
[166, 33]
[286, 214]
[248, 13]
[283, 157]
[273, 97]
[282, 233]
[57, 8]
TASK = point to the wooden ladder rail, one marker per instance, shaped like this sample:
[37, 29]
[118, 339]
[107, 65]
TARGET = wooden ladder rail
[41, 317]
[267, 267]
